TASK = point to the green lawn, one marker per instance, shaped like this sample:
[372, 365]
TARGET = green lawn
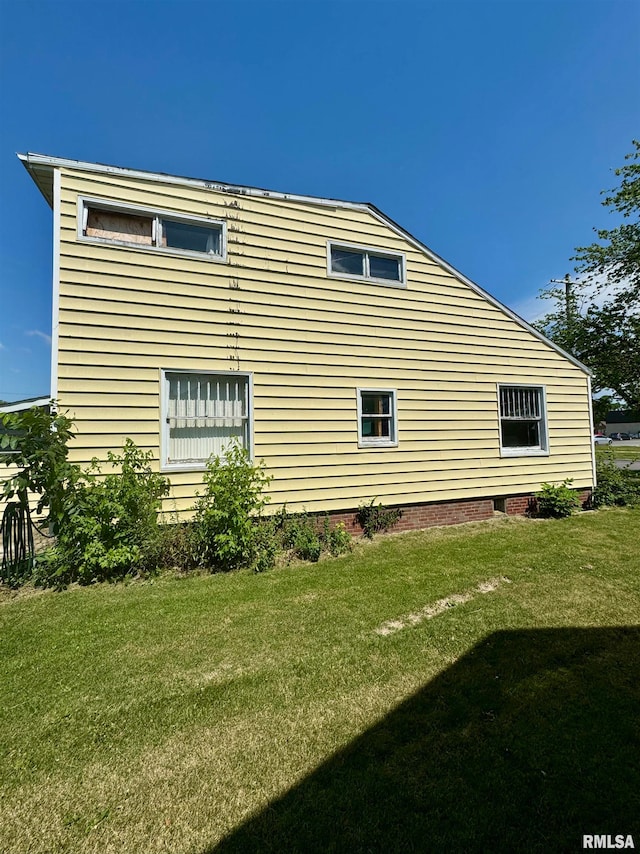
[463, 689]
[623, 451]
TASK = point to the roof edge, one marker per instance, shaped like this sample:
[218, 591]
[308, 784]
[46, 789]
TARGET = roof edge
[22, 405]
[32, 161]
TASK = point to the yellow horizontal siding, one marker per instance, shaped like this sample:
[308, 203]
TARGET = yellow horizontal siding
[309, 340]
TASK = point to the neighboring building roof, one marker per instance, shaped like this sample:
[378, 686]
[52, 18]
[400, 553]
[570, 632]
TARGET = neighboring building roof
[622, 416]
[41, 166]
[27, 403]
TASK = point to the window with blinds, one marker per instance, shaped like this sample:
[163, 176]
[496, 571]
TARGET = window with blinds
[204, 413]
[522, 418]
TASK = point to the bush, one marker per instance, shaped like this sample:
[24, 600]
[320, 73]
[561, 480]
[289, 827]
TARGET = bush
[616, 487]
[557, 500]
[170, 548]
[337, 540]
[307, 544]
[107, 522]
[307, 538]
[374, 518]
[226, 535]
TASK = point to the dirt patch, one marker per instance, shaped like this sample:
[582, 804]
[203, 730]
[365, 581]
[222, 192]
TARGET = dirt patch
[442, 605]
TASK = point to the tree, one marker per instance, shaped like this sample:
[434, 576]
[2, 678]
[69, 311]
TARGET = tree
[597, 318]
[37, 439]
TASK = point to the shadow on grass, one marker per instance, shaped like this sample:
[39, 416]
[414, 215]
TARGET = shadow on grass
[527, 742]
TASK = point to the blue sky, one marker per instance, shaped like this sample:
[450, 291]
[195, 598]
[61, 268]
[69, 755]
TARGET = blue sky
[487, 129]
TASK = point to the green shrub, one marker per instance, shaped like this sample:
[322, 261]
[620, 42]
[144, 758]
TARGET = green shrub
[307, 538]
[107, 522]
[616, 487]
[170, 548]
[336, 540]
[557, 500]
[374, 518]
[226, 535]
[307, 544]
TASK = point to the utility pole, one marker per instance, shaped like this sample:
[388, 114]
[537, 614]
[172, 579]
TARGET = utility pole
[567, 296]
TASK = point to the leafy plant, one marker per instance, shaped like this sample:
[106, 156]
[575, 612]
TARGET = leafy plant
[336, 540]
[557, 500]
[615, 486]
[307, 538]
[108, 521]
[169, 547]
[37, 439]
[225, 534]
[307, 544]
[374, 518]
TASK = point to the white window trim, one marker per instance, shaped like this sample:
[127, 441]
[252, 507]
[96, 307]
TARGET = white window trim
[366, 442]
[86, 202]
[166, 466]
[533, 451]
[383, 253]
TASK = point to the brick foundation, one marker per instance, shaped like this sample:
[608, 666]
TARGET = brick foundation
[417, 516]
[519, 505]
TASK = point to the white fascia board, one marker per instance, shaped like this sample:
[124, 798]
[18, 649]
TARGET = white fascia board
[22, 405]
[32, 161]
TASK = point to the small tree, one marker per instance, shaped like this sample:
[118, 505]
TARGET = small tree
[109, 520]
[226, 535]
[37, 439]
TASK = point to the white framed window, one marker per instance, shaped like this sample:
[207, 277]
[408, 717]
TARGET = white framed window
[523, 420]
[202, 413]
[101, 221]
[377, 418]
[366, 263]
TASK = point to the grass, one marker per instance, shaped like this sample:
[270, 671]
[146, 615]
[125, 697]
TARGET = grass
[620, 452]
[275, 712]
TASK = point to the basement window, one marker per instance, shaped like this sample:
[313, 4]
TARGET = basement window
[142, 229]
[523, 422]
[355, 262]
[377, 418]
[202, 414]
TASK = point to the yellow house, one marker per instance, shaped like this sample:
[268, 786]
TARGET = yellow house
[330, 342]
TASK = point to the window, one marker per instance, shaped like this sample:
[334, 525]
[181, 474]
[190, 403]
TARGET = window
[377, 418]
[354, 262]
[202, 414]
[523, 428]
[147, 229]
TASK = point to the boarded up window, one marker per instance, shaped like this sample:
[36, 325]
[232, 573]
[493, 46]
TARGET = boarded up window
[131, 228]
[117, 225]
